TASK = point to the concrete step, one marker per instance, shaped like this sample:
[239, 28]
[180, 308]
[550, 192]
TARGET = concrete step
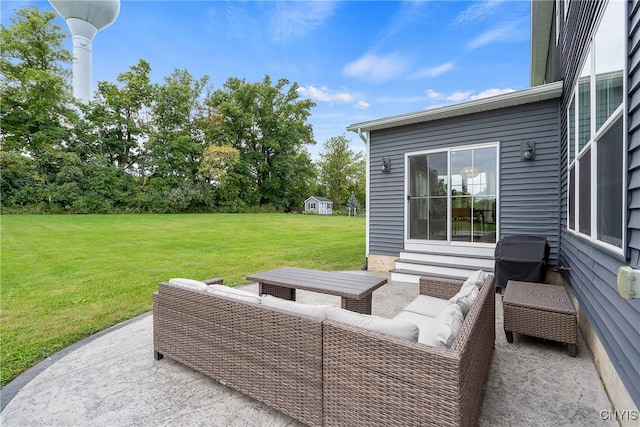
[442, 261]
[412, 276]
[478, 262]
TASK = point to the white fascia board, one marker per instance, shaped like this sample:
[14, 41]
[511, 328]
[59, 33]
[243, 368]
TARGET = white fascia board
[541, 21]
[511, 99]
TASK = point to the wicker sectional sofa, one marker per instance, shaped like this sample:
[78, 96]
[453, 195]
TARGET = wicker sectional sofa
[326, 373]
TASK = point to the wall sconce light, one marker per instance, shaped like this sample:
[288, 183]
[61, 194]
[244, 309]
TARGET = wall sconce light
[385, 165]
[528, 150]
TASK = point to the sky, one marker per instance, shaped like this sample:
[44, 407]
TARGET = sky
[357, 60]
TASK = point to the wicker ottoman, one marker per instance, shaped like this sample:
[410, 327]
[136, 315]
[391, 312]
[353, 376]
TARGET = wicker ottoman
[540, 310]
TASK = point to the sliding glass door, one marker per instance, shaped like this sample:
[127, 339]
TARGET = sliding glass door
[452, 195]
[428, 196]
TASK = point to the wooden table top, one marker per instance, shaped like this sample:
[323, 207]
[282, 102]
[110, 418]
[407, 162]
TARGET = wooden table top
[328, 282]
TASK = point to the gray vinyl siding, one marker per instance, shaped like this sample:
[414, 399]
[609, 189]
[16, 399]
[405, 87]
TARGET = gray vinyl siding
[593, 269]
[528, 193]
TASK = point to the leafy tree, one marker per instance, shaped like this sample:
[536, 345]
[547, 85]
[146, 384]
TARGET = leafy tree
[357, 180]
[216, 163]
[176, 145]
[35, 95]
[120, 116]
[267, 124]
[341, 170]
[140, 146]
[37, 112]
[18, 183]
[353, 206]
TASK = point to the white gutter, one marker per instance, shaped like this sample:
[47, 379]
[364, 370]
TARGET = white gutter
[511, 99]
[363, 137]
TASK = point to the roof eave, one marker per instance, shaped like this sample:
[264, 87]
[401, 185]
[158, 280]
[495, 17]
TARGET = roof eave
[541, 20]
[526, 96]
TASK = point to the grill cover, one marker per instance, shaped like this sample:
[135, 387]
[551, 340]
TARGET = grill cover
[522, 258]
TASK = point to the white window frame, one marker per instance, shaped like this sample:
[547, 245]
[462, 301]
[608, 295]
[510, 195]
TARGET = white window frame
[448, 150]
[595, 135]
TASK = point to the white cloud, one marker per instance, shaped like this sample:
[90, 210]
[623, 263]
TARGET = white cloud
[459, 96]
[433, 71]
[325, 95]
[477, 11]
[297, 19]
[376, 68]
[432, 94]
[361, 105]
[462, 96]
[491, 92]
[501, 33]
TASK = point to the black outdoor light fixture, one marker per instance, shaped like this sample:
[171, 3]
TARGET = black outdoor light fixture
[528, 150]
[385, 165]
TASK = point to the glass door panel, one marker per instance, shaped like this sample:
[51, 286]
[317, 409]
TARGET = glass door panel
[428, 196]
[473, 195]
[462, 174]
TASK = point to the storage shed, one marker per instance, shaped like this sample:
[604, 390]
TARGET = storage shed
[319, 205]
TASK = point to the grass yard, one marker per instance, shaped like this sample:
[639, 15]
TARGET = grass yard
[65, 277]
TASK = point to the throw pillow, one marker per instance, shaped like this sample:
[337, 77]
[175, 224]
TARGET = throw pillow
[464, 298]
[424, 323]
[476, 278]
[445, 327]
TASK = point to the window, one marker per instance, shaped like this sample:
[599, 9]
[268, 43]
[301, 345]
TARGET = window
[595, 137]
[452, 194]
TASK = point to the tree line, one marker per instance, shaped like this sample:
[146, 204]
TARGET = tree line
[139, 146]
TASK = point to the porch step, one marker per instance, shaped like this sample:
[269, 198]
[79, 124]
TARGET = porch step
[458, 263]
[411, 276]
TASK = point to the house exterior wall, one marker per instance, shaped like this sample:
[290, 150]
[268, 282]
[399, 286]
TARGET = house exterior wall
[634, 134]
[529, 190]
[593, 269]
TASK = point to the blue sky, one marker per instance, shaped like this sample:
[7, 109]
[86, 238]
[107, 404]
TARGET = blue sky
[357, 60]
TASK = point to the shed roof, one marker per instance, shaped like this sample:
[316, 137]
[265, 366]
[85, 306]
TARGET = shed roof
[320, 199]
[511, 99]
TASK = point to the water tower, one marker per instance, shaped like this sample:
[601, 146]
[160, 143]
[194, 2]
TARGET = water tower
[85, 18]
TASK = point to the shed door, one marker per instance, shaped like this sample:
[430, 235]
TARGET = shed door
[452, 195]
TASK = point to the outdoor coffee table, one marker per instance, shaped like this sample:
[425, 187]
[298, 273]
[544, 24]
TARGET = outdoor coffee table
[355, 290]
[540, 310]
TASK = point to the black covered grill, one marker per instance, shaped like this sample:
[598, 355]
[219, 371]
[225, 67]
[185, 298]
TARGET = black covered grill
[522, 258]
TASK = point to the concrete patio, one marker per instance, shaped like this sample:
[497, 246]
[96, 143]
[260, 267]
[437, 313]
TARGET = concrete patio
[112, 379]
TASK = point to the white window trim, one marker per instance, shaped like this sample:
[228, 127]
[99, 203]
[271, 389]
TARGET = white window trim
[448, 150]
[595, 136]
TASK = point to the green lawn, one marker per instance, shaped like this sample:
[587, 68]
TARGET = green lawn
[64, 277]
